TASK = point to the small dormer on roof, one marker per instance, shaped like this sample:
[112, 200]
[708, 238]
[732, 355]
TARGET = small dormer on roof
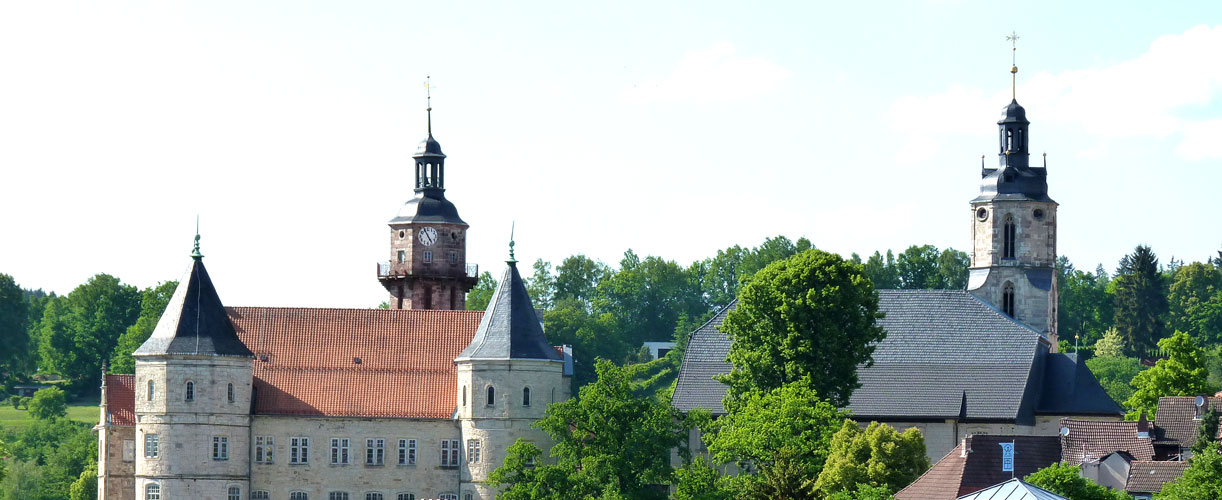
[510, 328]
[195, 322]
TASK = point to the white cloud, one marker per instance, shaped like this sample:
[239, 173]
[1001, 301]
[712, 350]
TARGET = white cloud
[716, 74]
[1143, 97]
[1201, 140]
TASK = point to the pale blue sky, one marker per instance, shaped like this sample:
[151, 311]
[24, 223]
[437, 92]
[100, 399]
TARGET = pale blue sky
[674, 129]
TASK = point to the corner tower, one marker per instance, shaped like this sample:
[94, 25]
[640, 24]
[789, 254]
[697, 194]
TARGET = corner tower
[193, 398]
[1014, 231]
[507, 376]
[428, 241]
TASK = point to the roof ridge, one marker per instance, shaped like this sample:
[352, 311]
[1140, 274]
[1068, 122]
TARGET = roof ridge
[372, 309]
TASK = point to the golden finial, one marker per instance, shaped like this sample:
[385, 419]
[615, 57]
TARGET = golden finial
[1013, 39]
[428, 95]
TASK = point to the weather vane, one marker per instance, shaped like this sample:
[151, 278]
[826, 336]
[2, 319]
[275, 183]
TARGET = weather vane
[1013, 39]
[511, 227]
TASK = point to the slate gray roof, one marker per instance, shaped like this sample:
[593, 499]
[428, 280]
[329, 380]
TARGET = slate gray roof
[510, 328]
[1071, 389]
[946, 355]
[194, 321]
[1176, 420]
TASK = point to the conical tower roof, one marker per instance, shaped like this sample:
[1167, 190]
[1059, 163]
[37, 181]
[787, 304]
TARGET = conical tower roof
[194, 322]
[510, 328]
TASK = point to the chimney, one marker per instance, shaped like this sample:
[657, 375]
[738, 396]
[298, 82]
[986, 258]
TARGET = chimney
[1143, 427]
[965, 446]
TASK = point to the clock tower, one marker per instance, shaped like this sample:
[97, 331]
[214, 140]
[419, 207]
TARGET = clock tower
[428, 241]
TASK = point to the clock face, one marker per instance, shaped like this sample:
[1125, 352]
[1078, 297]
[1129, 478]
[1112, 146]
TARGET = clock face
[428, 236]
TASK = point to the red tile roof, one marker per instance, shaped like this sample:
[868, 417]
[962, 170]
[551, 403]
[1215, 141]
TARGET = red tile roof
[1147, 476]
[956, 475]
[940, 482]
[1177, 419]
[354, 362]
[121, 399]
[1094, 439]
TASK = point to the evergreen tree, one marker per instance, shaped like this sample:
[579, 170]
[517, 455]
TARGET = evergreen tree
[1141, 301]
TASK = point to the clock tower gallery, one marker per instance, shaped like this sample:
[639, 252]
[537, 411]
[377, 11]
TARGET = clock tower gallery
[428, 242]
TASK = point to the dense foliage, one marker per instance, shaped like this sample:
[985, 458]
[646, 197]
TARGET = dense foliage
[1202, 480]
[1066, 480]
[45, 459]
[1183, 373]
[878, 457]
[812, 316]
[153, 302]
[1141, 301]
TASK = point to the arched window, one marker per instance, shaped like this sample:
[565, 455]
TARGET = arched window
[190, 394]
[152, 492]
[235, 493]
[1009, 232]
[491, 395]
[1007, 299]
[525, 396]
[299, 495]
[151, 387]
[405, 496]
[230, 393]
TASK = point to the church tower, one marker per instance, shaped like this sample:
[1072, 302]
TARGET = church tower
[428, 241]
[1014, 231]
[507, 376]
[193, 398]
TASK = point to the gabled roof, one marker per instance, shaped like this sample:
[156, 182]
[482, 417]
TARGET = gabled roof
[194, 322]
[1148, 476]
[120, 399]
[1071, 389]
[1095, 439]
[1176, 419]
[354, 362]
[510, 328]
[1014, 489]
[957, 475]
[704, 358]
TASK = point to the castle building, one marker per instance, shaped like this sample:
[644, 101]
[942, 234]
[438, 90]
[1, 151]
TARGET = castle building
[960, 362]
[419, 401]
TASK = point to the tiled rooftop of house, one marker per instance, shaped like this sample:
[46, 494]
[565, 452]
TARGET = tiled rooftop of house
[1147, 476]
[1093, 439]
[1177, 419]
[121, 399]
[957, 475]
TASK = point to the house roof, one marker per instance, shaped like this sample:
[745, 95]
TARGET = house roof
[194, 321]
[1094, 439]
[1148, 476]
[1176, 419]
[1014, 489]
[957, 475]
[510, 328]
[946, 355]
[120, 399]
[354, 362]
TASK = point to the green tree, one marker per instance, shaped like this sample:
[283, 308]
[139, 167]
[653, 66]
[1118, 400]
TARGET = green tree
[1208, 431]
[60, 448]
[14, 323]
[609, 443]
[14, 400]
[49, 403]
[1111, 344]
[1066, 480]
[878, 457]
[1085, 307]
[779, 437]
[479, 296]
[1183, 373]
[1202, 480]
[592, 335]
[863, 492]
[699, 480]
[153, 301]
[648, 296]
[1141, 300]
[577, 278]
[952, 269]
[81, 329]
[24, 480]
[882, 271]
[813, 316]
[722, 275]
[541, 285]
[25, 402]
[1191, 287]
[1115, 374]
[918, 267]
[86, 485]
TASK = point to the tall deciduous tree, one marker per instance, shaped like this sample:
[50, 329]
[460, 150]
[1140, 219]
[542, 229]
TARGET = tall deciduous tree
[1141, 300]
[882, 271]
[577, 278]
[49, 403]
[918, 267]
[877, 456]
[541, 285]
[610, 444]
[1208, 432]
[1202, 480]
[481, 294]
[1183, 373]
[1195, 300]
[14, 323]
[153, 301]
[648, 296]
[813, 316]
[1115, 373]
[1085, 308]
[1066, 480]
[81, 329]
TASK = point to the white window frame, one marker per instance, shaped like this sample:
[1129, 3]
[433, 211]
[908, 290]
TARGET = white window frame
[299, 495]
[152, 449]
[447, 496]
[260, 495]
[473, 451]
[375, 451]
[449, 452]
[150, 494]
[299, 451]
[405, 496]
[152, 390]
[407, 452]
[264, 450]
[337, 495]
[220, 447]
[374, 495]
[340, 451]
[230, 494]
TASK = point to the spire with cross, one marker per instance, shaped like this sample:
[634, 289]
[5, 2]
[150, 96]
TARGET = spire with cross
[1013, 39]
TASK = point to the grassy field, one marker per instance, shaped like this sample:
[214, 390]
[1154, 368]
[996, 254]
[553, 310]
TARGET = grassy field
[11, 419]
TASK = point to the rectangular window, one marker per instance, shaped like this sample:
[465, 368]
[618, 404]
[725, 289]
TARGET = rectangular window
[260, 495]
[152, 492]
[407, 452]
[402, 256]
[299, 495]
[150, 446]
[467, 496]
[339, 451]
[263, 450]
[453, 258]
[220, 448]
[235, 493]
[427, 257]
[129, 450]
[374, 496]
[449, 452]
[299, 450]
[447, 496]
[338, 495]
[405, 496]
[375, 451]
[473, 451]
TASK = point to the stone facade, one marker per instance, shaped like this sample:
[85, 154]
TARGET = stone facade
[1028, 269]
[432, 276]
[116, 461]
